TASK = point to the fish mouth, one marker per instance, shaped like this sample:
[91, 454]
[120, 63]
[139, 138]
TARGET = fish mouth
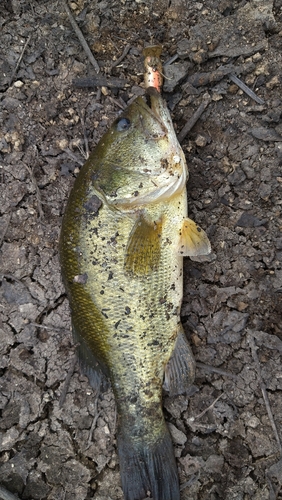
[156, 105]
[152, 104]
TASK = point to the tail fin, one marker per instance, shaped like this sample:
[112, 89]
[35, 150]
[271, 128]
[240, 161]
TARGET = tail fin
[148, 468]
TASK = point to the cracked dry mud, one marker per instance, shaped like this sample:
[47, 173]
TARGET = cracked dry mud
[227, 432]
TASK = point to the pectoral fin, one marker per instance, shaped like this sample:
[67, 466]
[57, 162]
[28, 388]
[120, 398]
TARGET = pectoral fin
[144, 247]
[193, 240]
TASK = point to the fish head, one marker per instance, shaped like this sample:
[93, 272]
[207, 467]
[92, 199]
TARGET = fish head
[139, 160]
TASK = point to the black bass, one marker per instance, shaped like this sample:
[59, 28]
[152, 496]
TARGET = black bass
[124, 234]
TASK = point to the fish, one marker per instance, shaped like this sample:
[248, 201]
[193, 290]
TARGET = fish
[124, 234]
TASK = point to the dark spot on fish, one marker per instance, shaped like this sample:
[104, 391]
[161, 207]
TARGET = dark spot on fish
[110, 277]
[113, 193]
[136, 193]
[104, 314]
[123, 124]
[117, 323]
[93, 204]
[127, 310]
[140, 185]
[164, 163]
[95, 175]
[102, 292]
[172, 286]
[94, 230]
[167, 242]
[154, 342]
[149, 394]
[113, 239]
[162, 300]
[80, 278]
[199, 229]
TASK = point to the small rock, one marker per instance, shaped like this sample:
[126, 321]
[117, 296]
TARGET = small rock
[200, 57]
[249, 171]
[242, 306]
[174, 73]
[265, 174]
[191, 464]
[201, 141]
[177, 435]
[16, 293]
[214, 463]
[265, 134]
[18, 84]
[237, 176]
[274, 82]
[8, 439]
[184, 48]
[233, 89]
[264, 191]
[248, 220]
[253, 422]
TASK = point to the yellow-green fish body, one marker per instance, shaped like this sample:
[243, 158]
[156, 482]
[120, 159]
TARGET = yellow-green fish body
[124, 234]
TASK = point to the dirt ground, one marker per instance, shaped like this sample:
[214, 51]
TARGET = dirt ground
[228, 431]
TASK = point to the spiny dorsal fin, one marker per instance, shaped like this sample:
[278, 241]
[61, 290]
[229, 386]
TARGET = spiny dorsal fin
[193, 240]
[144, 247]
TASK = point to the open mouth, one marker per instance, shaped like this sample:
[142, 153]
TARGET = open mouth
[151, 96]
[154, 106]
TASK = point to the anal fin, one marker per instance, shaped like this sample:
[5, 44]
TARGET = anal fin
[193, 240]
[180, 370]
[89, 364]
[144, 247]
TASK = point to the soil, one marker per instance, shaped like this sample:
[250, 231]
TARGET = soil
[58, 434]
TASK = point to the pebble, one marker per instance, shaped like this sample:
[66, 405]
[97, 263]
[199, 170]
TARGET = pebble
[18, 84]
[201, 141]
[264, 191]
[173, 74]
[265, 134]
[248, 220]
[177, 435]
[274, 82]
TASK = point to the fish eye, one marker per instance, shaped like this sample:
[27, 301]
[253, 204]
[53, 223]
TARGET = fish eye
[123, 124]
